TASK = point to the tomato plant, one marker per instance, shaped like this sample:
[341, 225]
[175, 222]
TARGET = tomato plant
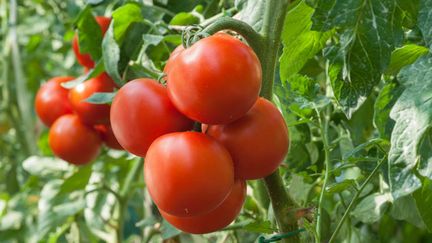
[322, 107]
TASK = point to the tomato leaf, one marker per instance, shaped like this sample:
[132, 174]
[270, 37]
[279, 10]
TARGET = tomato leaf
[424, 23]
[423, 198]
[300, 43]
[403, 56]
[98, 69]
[101, 98]
[383, 105]
[89, 34]
[409, 139]
[371, 208]
[370, 31]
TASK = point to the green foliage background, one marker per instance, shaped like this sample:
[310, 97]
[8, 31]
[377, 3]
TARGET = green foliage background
[354, 84]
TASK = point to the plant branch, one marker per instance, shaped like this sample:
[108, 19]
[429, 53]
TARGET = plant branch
[251, 36]
[354, 200]
[324, 123]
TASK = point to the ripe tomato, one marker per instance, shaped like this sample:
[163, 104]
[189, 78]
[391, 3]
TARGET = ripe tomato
[52, 100]
[107, 135]
[85, 59]
[216, 219]
[141, 112]
[73, 141]
[215, 81]
[188, 173]
[179, 49]
[257, 142]
[92, 114]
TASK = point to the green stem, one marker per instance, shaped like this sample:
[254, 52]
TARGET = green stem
[251, 36]
[324, 122]
[354, 200]
[125, 194]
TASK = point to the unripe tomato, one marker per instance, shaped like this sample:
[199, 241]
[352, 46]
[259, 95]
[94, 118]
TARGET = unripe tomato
[216, 219]
[172, 58]
[257, 142]
[215, 81]
[73, 141]
[107, 135]
[85, 59]
[92, 114]
[52, 100]
[188, 173]
[141, 112]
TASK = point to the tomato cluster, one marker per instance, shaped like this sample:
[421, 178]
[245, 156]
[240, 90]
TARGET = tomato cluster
[197, 178]
[77, 128]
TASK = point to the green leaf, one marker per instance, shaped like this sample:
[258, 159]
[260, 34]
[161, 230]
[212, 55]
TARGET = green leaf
[405, 208]
[340, 186]
[299, 189]
[184, 19]
[123, 17]
[150, 39]
[423, 198]
[78, 180]
[252, 12]
[412, 114]
[300, 43]
[371, 208]
[370, 31]
[89, 34]
[98, 69]
[424, 23]
[383, 105]
[404, 56]
[168, 231]
[111, 56]
[45, 166]
[101, 98]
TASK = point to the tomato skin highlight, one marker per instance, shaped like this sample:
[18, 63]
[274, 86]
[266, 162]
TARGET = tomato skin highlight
[52, 101]
[216, 219]
[257, 142]
[73, 141]
[141, 112]
[85, 59]
[188, 173]
[107, 136]
[215, 81]
[92, 114]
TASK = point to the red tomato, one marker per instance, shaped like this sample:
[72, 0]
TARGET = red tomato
[141, 112]
[73, 141]
[188, 173]
[179, 49]
[257, 142]
[92, 114]
[52, 100]
[215, 81]
[85, 59]
[107, 135]
[216, 219]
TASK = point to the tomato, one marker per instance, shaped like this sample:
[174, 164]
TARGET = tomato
[141, 112]
[73, 141]
[188, 173]
[215, 81]
[179, 49]
[216, 219]
[52, 100]
[92, 114]
[257, 142]
[85, 59]
[107, 135]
